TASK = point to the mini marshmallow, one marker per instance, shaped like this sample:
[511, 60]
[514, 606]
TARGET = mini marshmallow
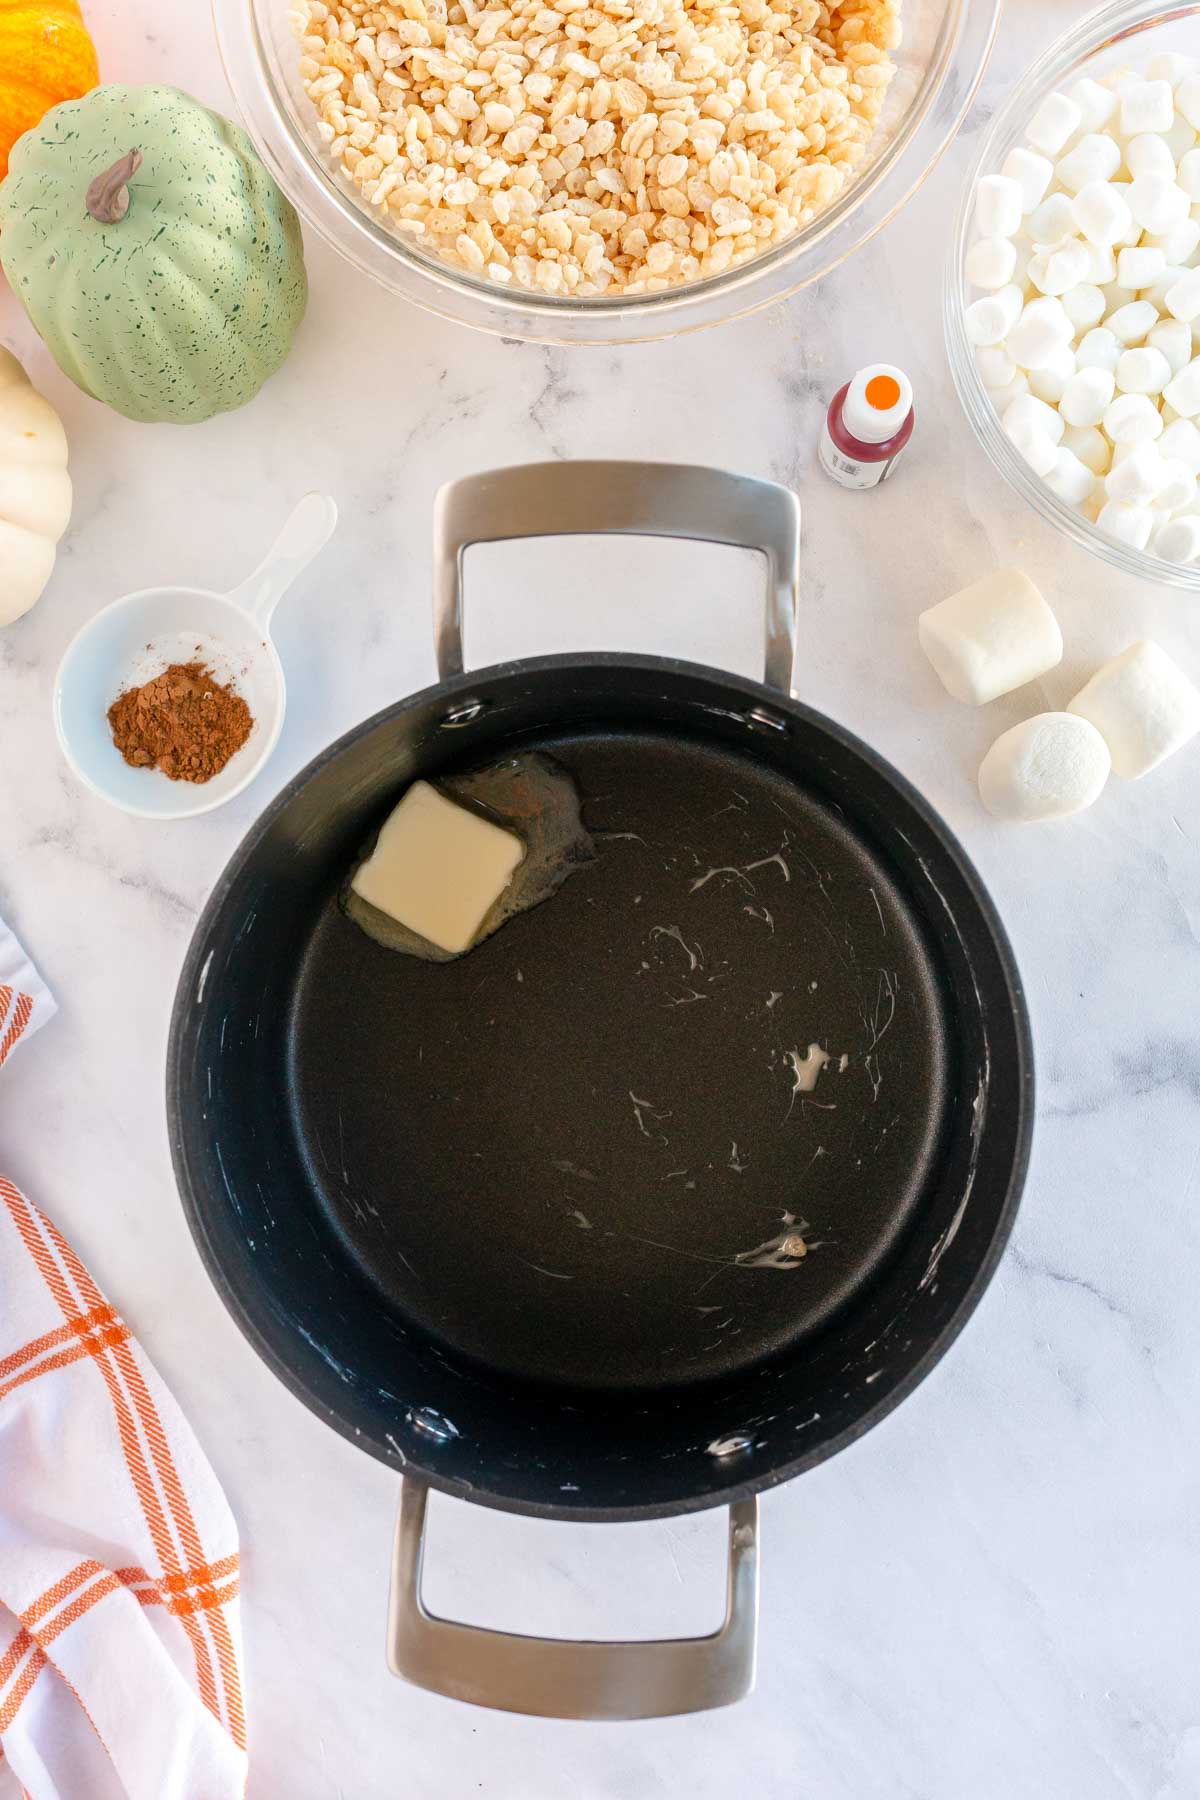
[1069, 478]
[1032, 173]
[1183, 390]
[1169, 66]
[1056, 120]
[1102, 264]
[1143, 371]
[1146, 106]
[1131, 322]
[996, 367]
[1133, 419]
[990, 320]
[1034, 415]
[1187, 100]
[1047, 767]
[1180, 139]
[1094, 158]
[1096, 104]
[1116, 296]
[1147, 155]
[1157, 202]
[1083, 305]
[1066, 267]
[1181, 443]
[1128, 524]
[1183, 297]
[1178, 490]
[1101, 213]
[998, 206]
[1158, 290]
[1177, 245]
[1003, 397]
[1052, 221]
[1136, 268]
[1048, 382]
[1042, 329]
[1036, 447]
[1144, 707]
[1091, 447]
[991, 637]
[1087, 396]
[1098, 349]
[990, 262]
[1189, 174]
[1177, 540]
[1174, 340]
[1138, 477]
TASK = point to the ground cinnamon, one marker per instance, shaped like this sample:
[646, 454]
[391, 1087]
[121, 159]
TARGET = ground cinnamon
[183, 722]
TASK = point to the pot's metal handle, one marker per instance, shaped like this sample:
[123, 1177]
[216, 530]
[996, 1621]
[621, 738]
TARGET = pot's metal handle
[557, 1678]
[677, 500]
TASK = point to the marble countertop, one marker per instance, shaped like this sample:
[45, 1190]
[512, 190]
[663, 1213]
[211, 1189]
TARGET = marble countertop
[992, 1595]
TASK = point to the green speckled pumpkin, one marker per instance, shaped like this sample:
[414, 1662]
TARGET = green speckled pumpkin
[152, 251]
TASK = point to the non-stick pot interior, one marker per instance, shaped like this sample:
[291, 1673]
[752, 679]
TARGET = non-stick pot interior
[667, 1187]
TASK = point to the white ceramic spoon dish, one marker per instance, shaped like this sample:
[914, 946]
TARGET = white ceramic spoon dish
[139, 636]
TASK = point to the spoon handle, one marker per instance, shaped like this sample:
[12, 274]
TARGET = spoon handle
[307, 531]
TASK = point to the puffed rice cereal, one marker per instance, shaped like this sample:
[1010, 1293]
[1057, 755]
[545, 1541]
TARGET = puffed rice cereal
[625, 146]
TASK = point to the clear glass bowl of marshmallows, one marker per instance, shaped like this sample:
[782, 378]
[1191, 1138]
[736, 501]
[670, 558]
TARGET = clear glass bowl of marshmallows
[1072, 299]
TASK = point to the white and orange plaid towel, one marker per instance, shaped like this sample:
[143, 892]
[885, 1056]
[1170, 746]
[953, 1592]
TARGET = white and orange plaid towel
[120, 1641]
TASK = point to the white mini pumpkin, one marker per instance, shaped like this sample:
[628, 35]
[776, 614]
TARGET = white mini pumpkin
[35, 489]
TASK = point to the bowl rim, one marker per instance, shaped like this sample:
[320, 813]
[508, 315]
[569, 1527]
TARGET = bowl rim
[1120, 21]
[84, 772]
[326, 204]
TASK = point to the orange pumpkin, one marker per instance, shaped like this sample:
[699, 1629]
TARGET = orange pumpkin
[46, 56]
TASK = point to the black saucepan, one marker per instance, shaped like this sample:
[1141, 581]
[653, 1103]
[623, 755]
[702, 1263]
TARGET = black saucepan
[673, 1186]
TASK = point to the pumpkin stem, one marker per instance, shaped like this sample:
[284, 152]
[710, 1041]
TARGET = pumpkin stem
[108, 196]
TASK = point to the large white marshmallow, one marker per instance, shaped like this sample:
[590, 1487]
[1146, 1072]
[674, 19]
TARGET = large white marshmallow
[1056, 120]
[1102, 264]
[1065, 267]
[996, 367]
[990, 262]
[1177, 245]
[1034, 414]
[1032, 173]
[1143, 705]
[991, 637]
[1187, 99]
[1045, 768]
[1178, 491]
[998, 206]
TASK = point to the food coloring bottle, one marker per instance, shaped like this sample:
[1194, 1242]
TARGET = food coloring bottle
[868, 424]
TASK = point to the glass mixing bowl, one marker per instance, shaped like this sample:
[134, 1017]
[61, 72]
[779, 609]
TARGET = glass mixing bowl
[1126, 33]
[945, 49]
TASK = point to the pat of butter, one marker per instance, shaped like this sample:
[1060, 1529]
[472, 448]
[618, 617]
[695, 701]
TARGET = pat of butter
[437, 868]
